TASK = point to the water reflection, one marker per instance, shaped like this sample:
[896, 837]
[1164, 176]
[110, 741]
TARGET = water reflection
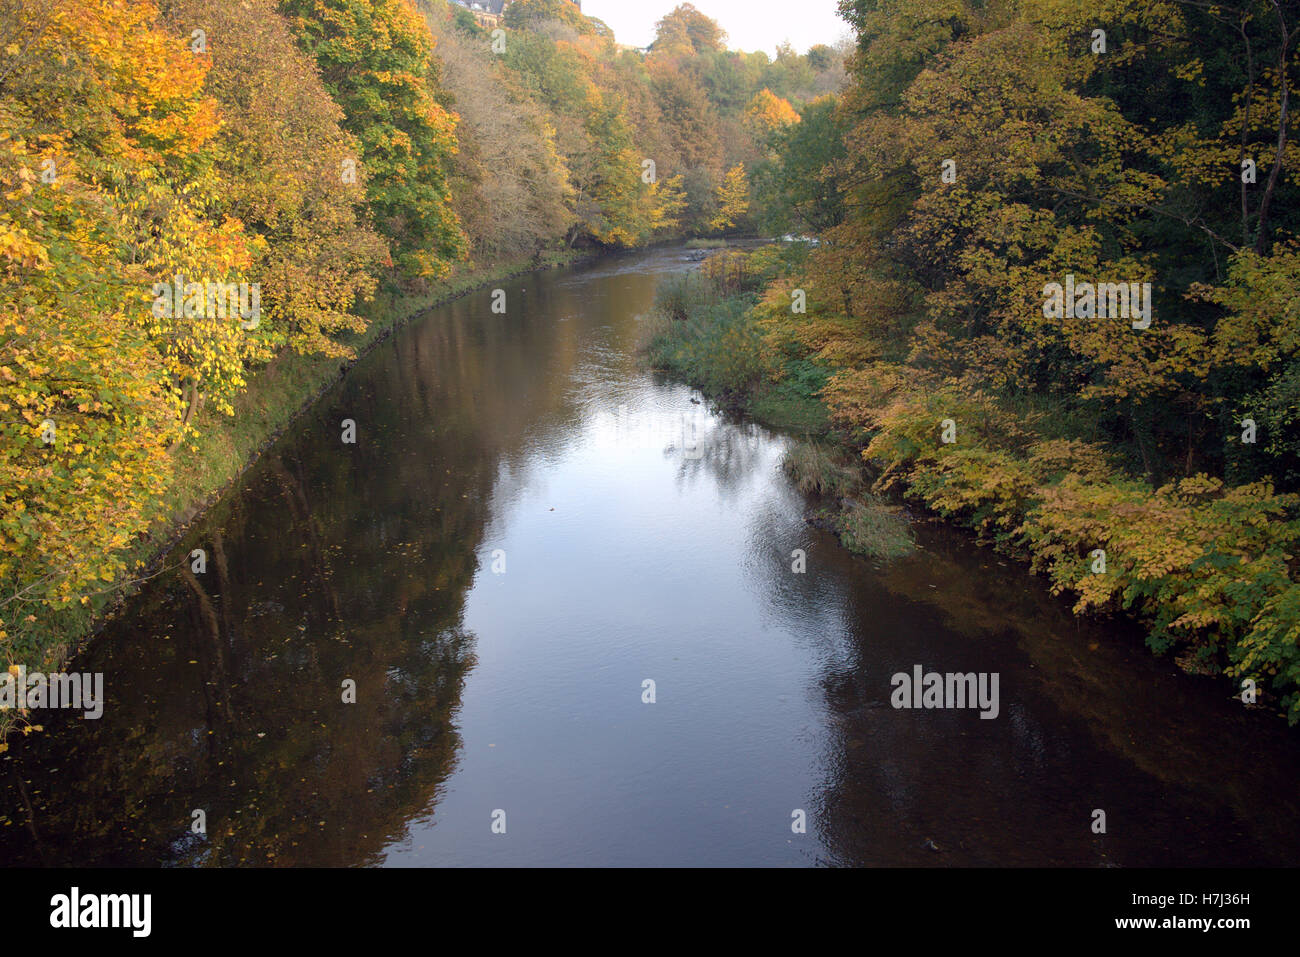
[640, 537]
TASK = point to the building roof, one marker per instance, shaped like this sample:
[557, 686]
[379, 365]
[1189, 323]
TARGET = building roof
[497, 7]
[483, 6]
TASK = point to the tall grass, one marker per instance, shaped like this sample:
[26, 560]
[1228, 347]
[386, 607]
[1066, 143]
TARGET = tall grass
[866, 525]
[876, 529]
[820, 469]
[707, 338]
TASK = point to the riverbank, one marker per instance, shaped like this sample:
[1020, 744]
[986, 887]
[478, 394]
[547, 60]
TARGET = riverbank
[226, 446]
[703, 332]
[1203, 566]
[292, 383]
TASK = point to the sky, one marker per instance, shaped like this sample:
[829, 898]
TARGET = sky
[750, 24]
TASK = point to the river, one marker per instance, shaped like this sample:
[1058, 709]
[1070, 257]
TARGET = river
[528, 529]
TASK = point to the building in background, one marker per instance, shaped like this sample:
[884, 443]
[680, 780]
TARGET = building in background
[487, 13]
[490, 13]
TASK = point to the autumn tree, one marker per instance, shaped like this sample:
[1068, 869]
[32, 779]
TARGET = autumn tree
[376, 60]
[511, 189]
[687, 31]
[768, 112]
[106, 194]
[295, 178]
[733, 199]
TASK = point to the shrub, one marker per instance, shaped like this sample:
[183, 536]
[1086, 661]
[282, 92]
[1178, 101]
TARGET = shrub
[819, 469]
[870, 527]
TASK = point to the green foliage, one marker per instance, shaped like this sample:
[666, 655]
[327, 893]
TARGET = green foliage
[872, 528]
[821, 469]
[798, 185]
[925, 297]
[466, 23]
[376, 60]
[715, 347]
[793, 400]
[535, 14]
[282, 153]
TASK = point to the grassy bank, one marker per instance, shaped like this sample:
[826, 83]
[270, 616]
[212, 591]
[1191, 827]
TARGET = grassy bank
[209, 464]
[703, 331]
[1206, 567]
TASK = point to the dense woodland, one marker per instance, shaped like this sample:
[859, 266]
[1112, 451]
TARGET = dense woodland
[983, 151]
[954, 162]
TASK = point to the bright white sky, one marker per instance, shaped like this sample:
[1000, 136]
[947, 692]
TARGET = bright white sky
[750, 24]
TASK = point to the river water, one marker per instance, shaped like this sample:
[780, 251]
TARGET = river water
[530, 527]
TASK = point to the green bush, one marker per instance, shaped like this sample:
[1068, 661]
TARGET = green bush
[822, 470]
[872, 528]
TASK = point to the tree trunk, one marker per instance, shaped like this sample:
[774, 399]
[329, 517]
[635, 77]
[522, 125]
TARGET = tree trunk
[1283, 118]
[192, 394]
